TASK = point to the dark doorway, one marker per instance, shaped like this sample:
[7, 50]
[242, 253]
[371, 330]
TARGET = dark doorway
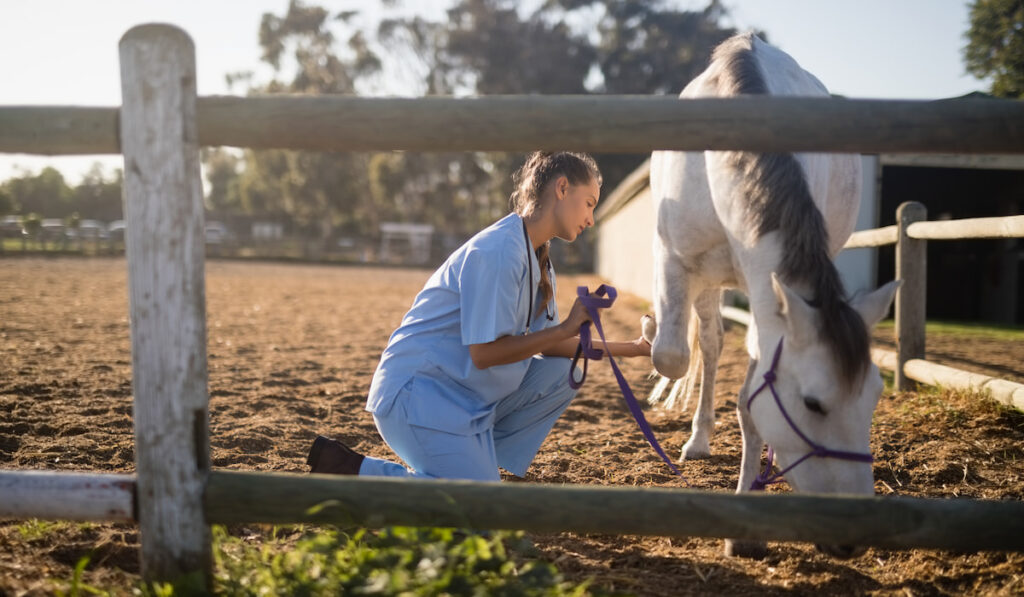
[974, 280]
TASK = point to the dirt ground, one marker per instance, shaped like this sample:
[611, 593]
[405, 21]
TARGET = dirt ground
[291, 352]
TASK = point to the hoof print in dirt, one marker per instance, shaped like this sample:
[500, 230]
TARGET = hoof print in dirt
[753, 550]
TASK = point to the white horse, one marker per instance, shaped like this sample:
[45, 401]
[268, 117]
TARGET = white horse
[768, 224]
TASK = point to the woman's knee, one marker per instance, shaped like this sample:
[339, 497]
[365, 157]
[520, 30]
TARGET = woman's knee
[550, 375]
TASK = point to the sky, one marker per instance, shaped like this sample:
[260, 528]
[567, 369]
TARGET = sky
[64, 52]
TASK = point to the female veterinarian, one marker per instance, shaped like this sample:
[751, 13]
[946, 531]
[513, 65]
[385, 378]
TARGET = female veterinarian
[477, 373]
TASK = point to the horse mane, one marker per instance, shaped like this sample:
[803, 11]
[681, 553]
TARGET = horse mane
[777, 197]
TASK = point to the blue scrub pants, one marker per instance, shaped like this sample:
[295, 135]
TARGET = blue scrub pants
[522, 420]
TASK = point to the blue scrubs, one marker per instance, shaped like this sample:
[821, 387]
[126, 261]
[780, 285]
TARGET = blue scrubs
[444, 417]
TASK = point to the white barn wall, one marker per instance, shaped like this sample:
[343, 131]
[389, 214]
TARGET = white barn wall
[624, 254]
[859, 267]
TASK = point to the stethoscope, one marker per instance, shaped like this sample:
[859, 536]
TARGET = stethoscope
[533, 289]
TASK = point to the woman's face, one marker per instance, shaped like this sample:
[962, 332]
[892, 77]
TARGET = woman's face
[574, 207]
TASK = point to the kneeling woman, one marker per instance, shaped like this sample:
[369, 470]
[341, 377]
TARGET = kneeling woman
[477, 373]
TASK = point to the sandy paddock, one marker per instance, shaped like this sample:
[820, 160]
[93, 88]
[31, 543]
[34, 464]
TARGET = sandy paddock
[291, 352]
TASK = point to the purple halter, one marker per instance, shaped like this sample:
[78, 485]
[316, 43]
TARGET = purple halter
[817, 450]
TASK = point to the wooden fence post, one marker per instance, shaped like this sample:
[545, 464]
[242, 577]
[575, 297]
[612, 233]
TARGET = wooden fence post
[164, 238]
[912, 268]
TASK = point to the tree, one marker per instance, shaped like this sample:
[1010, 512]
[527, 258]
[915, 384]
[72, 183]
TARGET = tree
[455, 192]
[995, 45]
[316, 191]
[7, 203]
[99, 196]
[569, 47]
[501, 53]
[222, 174]
[643, 47]
[45, 193]
[6, 207]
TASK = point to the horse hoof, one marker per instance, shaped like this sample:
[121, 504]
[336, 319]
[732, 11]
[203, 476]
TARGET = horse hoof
[694, 452]
[648, 328]
[754, 550]
[670, 362]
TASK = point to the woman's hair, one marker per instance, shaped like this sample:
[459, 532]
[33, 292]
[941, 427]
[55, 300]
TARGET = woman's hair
[540, 168]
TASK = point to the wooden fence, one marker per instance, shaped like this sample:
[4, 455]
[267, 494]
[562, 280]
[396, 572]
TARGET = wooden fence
[159, 129]
[910, 235]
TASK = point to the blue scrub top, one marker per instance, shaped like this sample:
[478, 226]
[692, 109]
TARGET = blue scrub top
[478, 295]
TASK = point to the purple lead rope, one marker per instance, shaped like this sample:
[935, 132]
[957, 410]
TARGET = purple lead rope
[586, 349]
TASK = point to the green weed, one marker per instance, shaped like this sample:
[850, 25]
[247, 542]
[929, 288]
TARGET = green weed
[34, 528]
[394, 561]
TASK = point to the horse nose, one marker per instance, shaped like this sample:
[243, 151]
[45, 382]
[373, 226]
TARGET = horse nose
[841, 552]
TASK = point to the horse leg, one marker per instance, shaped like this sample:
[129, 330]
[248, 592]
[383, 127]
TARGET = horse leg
[682, 389]
[751, 462]
[670, 352]
[709, 315]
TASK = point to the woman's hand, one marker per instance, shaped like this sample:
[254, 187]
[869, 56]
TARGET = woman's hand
[578, 316]
[643, 347]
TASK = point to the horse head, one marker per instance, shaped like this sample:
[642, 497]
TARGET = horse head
[815, 416]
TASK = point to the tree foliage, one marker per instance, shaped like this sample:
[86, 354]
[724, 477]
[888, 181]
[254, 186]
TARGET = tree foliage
[995, 45]
[316, 192]
[7, 203]
[44, 193]
[98, 196]
[47, 193]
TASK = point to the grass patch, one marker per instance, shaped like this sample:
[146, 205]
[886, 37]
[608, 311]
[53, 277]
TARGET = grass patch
[394, 561]
[34, 529]
[1006, 333]
[952, 407]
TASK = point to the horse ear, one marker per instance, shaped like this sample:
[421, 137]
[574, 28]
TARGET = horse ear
[798, 315]
[874, 306]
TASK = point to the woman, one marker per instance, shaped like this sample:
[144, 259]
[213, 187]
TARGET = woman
[477, 373]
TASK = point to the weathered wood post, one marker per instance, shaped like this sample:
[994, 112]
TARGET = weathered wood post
[912, 268]
[164, 240]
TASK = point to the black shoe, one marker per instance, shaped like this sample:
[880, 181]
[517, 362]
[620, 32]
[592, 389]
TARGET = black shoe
[331, 457]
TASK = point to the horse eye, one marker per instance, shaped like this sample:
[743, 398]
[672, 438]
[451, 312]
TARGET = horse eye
[814, 405]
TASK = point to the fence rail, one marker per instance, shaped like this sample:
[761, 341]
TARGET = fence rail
[234, 497]
[913, 229]
[69, 496]
[1004, 227]
[600, 124]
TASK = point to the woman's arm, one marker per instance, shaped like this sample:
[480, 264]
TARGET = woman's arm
[636, 348]
[557, 341]
[510, 349]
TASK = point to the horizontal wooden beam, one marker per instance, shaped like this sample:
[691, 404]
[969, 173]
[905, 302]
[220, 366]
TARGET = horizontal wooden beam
[890, 522]
[246, 497]
[740, 316]
[67, 496]
[875, 237]
[1002, 390]
[596, 123]
[1003, 227]
[59, 130]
